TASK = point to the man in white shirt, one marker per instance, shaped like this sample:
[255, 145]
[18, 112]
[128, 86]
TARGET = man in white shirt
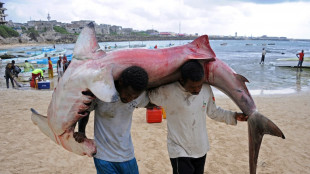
[115, 152]
[187, 102]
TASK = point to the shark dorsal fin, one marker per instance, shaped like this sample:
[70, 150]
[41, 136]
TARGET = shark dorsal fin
[241, 78]
[86, 45]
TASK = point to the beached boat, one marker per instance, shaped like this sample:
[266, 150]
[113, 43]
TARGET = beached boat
[53, 59]
[39, 55]
[292, 62]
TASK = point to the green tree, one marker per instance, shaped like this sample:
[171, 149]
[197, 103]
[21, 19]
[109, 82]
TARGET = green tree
[8, 32]
[60, 30]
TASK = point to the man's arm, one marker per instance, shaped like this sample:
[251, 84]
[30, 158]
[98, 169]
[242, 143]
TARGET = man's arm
[81, 135]
[241, 117]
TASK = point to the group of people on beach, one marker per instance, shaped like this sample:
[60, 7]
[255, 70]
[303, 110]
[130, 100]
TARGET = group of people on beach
[12, 70]
[187, 102]
[62, 65]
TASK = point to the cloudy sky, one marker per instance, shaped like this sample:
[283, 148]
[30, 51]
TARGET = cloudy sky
[288, 18]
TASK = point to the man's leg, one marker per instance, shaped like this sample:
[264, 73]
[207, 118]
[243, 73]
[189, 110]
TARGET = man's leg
[199, 164]
[106, 167]
[182, 165]
[7, 80]
[11, 78]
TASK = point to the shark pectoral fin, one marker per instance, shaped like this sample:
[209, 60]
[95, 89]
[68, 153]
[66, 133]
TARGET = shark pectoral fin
[42, 122]
[102, 86]
[86, 46]
[87, 147]
[258, 125]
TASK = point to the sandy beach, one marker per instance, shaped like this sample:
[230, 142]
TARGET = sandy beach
[24, 149]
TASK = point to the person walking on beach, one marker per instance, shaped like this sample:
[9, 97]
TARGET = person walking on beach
[50, 68]
[27, 66]
[301, 59]
[9, 74]
[115, 151]
[263, 56]
[187, 102]
[60, 67]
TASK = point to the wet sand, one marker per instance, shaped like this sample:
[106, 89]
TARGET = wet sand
[24, 149]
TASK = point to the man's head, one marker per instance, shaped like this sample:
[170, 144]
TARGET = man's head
[26, 61]
[302, 51]
[13, 61]
[192, 76]
[49, 58]
[132, 82]
[44, 71]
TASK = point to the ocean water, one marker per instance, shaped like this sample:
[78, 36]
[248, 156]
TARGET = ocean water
[243, 56]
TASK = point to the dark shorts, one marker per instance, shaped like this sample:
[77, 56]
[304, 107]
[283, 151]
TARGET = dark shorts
[106, 167]
[187, 165]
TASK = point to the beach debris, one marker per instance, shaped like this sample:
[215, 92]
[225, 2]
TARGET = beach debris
[94, 70]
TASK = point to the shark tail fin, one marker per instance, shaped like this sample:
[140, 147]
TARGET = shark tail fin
[258, 125]
[42, 122]
[86, 46]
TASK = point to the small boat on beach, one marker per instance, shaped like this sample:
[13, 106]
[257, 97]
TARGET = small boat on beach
[42, 55]
[292, 62]
[223, 44]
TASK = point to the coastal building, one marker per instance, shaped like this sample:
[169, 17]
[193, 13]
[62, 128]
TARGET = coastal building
[165, 34]
[2, 14]
[102, 29]
[77, 26]
[116, 29]
[43, 25]
[152, 32]
[127, 31]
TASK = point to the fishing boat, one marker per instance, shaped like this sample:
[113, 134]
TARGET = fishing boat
[292, 62]
[44, 53]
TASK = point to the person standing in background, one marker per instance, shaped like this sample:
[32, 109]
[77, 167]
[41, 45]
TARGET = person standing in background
[263, 56]
[301, 59]
[50, 68]
[60, 68]
[9, 73]
[65, 60]
[27, 66]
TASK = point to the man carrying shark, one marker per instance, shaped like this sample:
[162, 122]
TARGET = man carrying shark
[115, 152]
[187, 102]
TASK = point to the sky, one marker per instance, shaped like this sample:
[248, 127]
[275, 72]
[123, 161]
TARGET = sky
[278, 18]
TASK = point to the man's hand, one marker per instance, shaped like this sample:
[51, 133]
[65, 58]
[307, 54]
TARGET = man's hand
[79, 136]
[241, 117]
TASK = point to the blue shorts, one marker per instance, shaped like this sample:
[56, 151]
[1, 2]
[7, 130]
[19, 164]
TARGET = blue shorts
[106, 167]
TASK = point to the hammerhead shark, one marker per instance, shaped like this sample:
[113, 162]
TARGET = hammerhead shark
[95, 70]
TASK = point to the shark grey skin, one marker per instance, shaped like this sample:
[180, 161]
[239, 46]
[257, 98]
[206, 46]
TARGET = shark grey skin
[93, 69]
